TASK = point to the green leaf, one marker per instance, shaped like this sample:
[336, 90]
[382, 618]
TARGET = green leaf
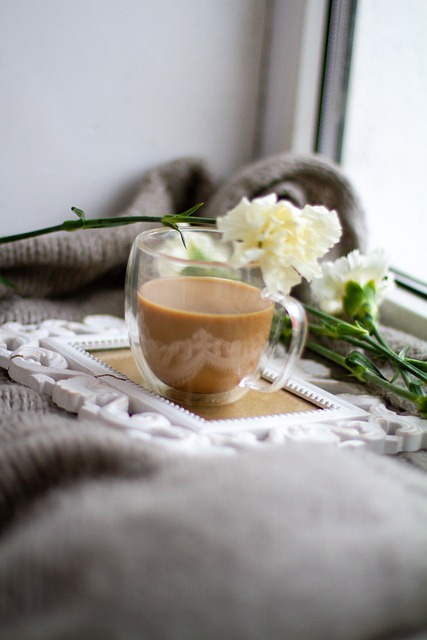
[194, 253]
[175, 227]
[75, 225]
[79, 213]
[422, 406]
[415, 387]
[355, 330]
[419, 364]
[360, 303]
[353, 298]
[7, 282]
[172, 220]
[191, 210]
[404, 351]
[214, 272]
[395, 376]
[359, 363]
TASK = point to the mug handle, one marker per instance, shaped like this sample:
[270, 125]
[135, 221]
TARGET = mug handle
[295, 311]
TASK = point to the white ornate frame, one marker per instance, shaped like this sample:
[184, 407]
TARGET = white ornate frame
[53, 358]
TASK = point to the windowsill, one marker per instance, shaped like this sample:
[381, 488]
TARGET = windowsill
[405, 311]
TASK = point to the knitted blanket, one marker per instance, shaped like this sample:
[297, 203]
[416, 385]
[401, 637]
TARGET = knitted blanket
[104, 536]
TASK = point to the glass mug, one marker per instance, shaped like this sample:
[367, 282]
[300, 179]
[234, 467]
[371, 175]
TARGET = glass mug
[202, 331]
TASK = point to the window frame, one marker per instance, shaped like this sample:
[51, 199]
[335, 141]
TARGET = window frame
[291, 80]
[302, 108]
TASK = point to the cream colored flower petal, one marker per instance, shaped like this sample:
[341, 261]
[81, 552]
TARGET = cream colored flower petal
[280, 279]
[324, 225]
[286, 241]
[246, 218]
[329, 289]
[243, 256]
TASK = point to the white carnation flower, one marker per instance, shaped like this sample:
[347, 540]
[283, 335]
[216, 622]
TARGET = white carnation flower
[329, 290]
[286, 241]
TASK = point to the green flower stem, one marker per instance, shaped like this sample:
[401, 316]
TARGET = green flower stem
[102, 223]
[378, 336]
[421, 364]
[389, 386]
[169, 220]
[327, 353]
[401, 363]
[365, 342]
[325, 316]
[363, 374]
[321, 330]
[412, 385]
[30, 234]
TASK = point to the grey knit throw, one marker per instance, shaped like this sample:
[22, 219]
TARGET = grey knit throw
[103, 536]
[70, 275]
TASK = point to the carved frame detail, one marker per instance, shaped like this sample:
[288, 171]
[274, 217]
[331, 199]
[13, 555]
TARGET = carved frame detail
[56, 357]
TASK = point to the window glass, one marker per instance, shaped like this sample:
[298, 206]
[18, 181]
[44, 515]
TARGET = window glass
[385, 134]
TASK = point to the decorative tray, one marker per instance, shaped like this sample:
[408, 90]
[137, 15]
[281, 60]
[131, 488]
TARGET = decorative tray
[87, 369]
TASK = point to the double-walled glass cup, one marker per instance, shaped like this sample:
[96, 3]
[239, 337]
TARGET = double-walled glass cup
[201, 330]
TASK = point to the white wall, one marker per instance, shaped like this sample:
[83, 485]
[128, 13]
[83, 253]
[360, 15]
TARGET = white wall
[93, 92]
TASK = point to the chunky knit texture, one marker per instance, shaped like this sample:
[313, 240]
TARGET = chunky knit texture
[105, 536]
[71, 275]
